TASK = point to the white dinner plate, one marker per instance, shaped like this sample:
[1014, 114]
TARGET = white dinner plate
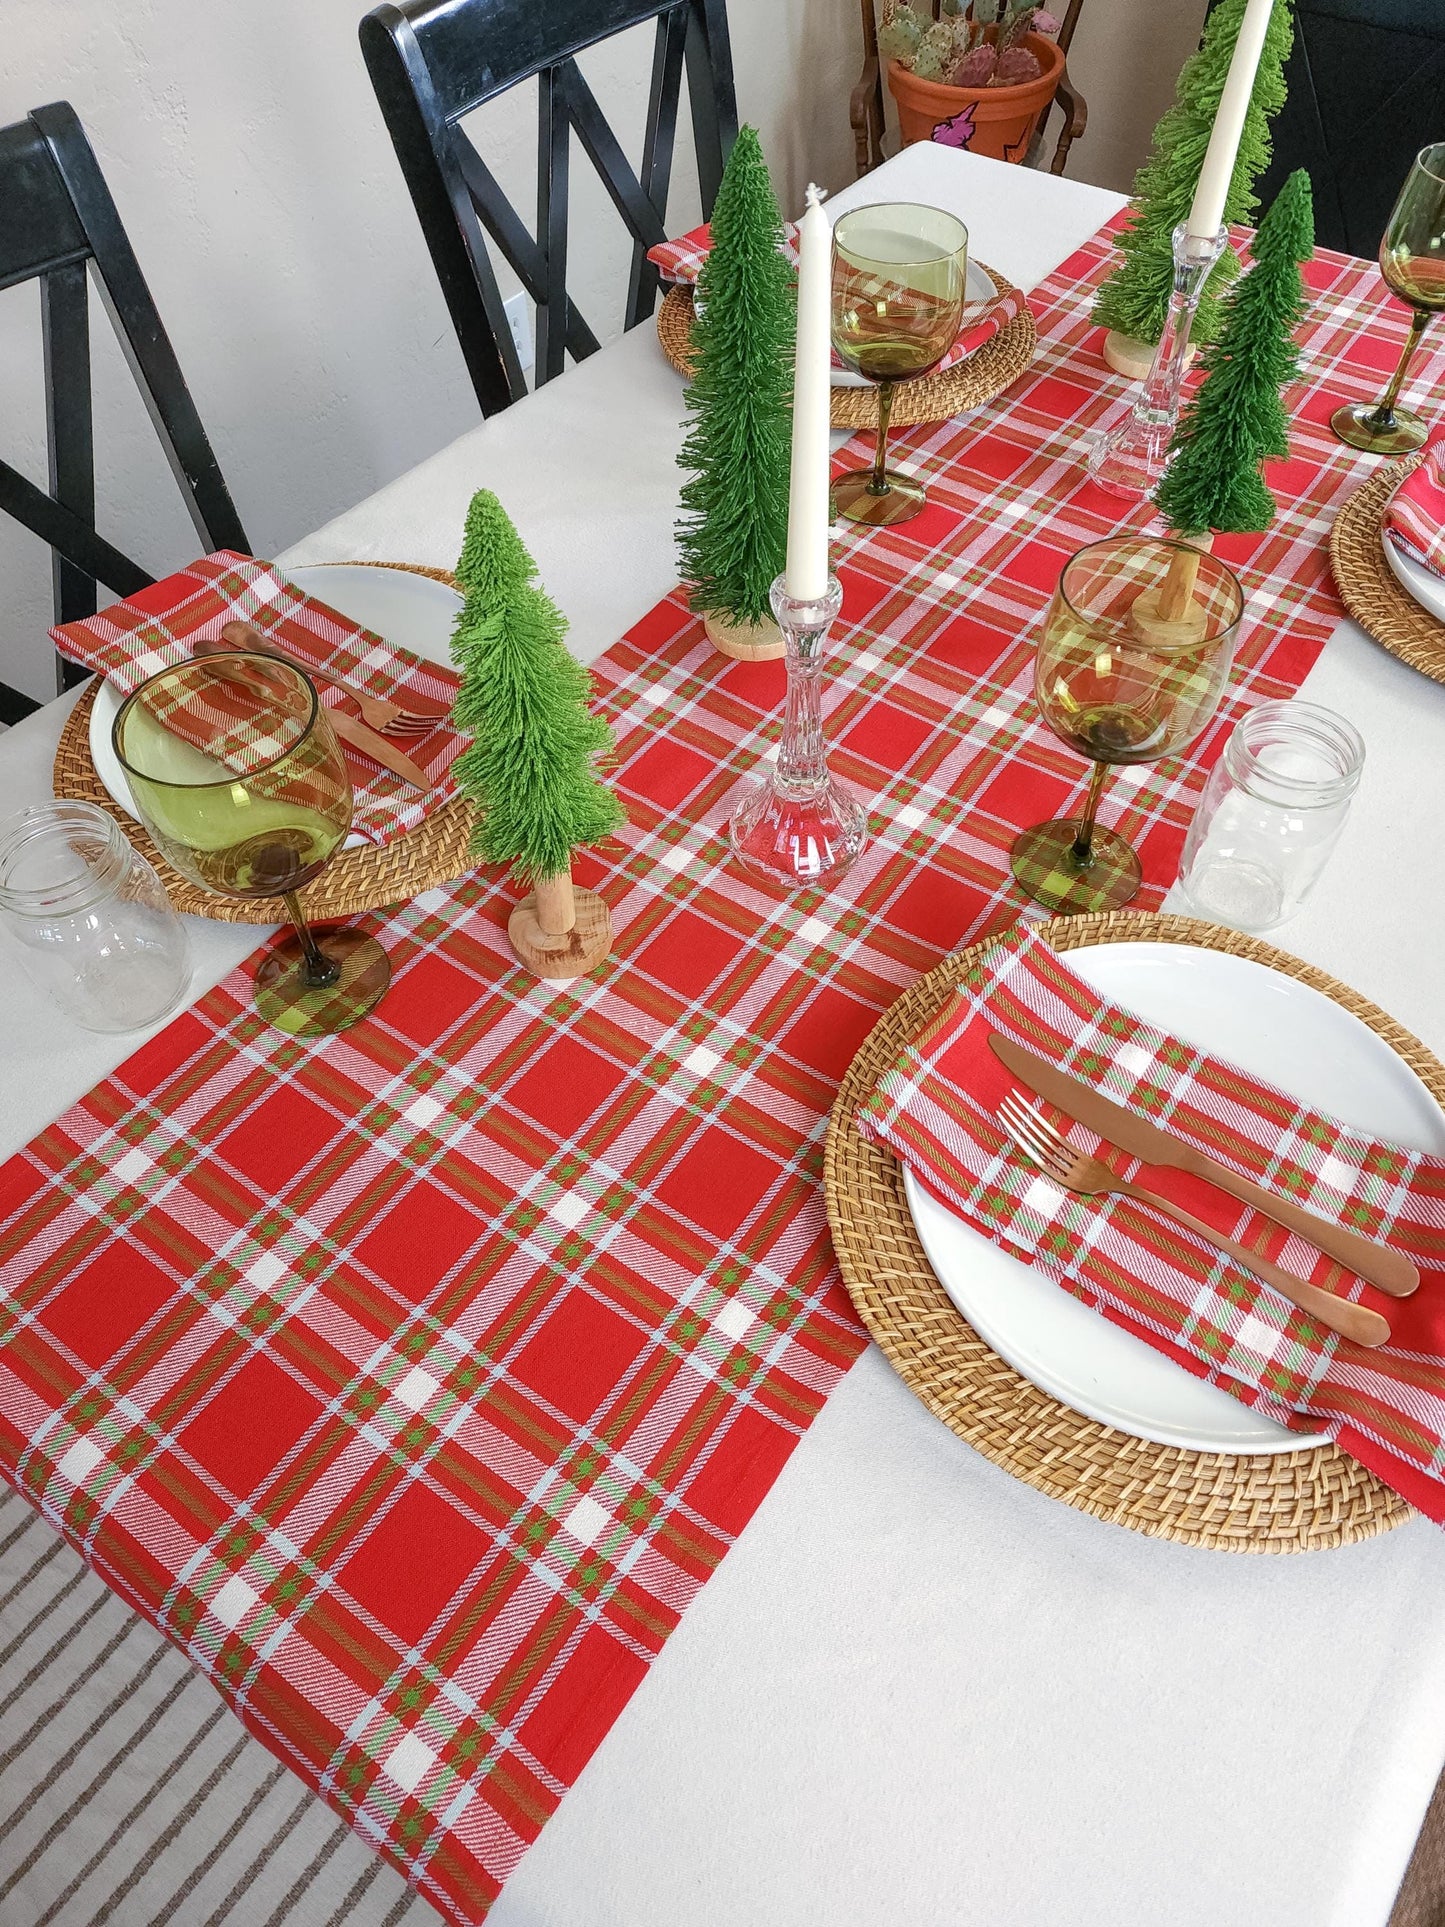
[413, 611]
[1275, 1026]
[1415, 579]
[978, 290]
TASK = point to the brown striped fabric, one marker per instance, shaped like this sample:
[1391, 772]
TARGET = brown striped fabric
[130, 1796]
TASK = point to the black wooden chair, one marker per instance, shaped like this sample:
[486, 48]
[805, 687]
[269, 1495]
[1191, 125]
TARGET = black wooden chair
[58, 217]
[432, 62]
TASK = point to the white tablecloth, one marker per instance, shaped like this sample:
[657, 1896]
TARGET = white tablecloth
[917, 1691]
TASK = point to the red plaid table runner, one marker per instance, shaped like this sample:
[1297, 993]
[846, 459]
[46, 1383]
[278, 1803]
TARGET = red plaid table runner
[935, 1109]
[414, 1380]
[681, 261]
[159, 627]
[1415, 515]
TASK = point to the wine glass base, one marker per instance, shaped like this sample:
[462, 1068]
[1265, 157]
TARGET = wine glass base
[797, 843]
[856, 501]
[1043, 862]
[1352, 424]
[286, 1000]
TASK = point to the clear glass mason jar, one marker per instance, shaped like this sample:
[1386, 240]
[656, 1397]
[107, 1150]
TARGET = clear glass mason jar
[1271, 815]
[92, 921]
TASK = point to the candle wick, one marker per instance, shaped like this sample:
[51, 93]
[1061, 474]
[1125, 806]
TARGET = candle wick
[816, 196]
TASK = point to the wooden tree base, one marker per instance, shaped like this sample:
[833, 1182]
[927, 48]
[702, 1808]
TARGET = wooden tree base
[1126, 356]
[1187, 630]
[745, 641]
[573, 955]
[1168, 617]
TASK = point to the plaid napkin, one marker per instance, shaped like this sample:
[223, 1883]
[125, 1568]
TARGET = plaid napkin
[935, 1110]
[681, 262]
[1415, 516]
[150, 631]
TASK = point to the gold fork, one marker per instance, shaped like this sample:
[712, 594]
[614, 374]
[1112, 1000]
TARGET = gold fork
[377, 712]
[1073, 1170]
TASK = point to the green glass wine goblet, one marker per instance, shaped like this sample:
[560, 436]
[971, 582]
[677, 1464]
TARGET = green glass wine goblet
[1121, 686]
[1412, 261]
[238, 776]
[899, 277]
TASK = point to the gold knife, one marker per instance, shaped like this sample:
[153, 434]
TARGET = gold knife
[377, 748]
[357, 734]
[1391, 1270]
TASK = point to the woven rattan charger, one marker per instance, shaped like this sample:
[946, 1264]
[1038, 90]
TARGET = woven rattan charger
[932, 398]
[1288, 1502]
[359, 879]
[1367, 584]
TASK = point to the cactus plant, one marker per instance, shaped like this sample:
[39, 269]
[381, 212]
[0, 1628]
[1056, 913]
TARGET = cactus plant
[899, 35]
[927, 62]
[976, 68]
[1014, 66]
[956, 48]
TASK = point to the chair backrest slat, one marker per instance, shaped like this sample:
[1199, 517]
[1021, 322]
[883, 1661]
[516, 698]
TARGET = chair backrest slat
[65, 331]
[658, 146]
[41, 229]
[64, 530]
[604, 150]
[473, 59]
[554, 146]
[61, 222]
[433, 62]
[526, 259]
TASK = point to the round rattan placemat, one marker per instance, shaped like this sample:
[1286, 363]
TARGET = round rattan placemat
[1291, 1502]
[1367, 585]
[933, 398]
[355, 880]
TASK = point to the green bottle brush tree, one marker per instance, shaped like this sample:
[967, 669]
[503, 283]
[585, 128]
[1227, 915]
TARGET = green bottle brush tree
[1133, 302]
[1237, 416]
[732, 538]
[530, 768]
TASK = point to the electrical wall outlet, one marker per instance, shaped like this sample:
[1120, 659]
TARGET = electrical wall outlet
[519, 318]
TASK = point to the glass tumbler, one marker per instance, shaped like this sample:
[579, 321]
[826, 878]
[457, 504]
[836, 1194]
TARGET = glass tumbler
[1271, 815]
[94, 926]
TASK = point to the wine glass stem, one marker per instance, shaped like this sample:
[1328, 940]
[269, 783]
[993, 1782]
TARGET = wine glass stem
[1083, 845]
[878, 484]
[1384, 416]
[321, 973]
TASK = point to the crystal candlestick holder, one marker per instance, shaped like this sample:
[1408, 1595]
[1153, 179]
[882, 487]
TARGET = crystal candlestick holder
[1130, 461]
[799, 830]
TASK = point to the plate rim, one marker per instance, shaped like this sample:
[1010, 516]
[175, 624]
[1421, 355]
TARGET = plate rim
[1406, 572]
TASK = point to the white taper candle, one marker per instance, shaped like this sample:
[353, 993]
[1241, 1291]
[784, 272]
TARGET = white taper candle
[1207, 214]
[807, 570]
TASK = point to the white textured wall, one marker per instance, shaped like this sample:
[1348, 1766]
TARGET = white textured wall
[245, 151]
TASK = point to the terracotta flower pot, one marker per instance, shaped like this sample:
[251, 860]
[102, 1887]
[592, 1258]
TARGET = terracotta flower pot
[997, 121]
